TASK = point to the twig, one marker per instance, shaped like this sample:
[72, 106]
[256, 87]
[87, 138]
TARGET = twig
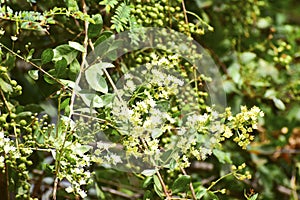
[5, 101]
[163, 185]
[84, 54]
[33, 64]
[191, 185]
[83, 62]
[184, 12]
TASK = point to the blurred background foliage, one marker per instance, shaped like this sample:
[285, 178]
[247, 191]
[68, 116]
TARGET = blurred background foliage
[256, 45]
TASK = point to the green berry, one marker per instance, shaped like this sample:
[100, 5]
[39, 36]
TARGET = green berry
[13, 115]
[13, 82]
[2, 119]
[3, 69]
[23, 122]
[19, 88]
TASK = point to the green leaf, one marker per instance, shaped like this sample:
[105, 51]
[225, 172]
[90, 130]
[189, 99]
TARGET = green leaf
[5, 86]
[74, 69]
[263, 23]
[202, 191]
[102, 65]
[86, 97]
[82, 149]
[72, 5]
[104, 35]
[99, 192]
[212, 195]
[92, 100]
[156, 132]
[48, 79]
[149, 172]
[65, 103]
[230, 87]
[147, 181]
[107, 99]
[95, 29]
[234, 72]
[68, 83]
[158, 187]
[223, 157]
[167, 155]
[246, 57]
[77, 46]
[181, 184]
[157, 182]
[148, 195]
[29, 56]
[270, 94]
[24, 114]
[64, 51]
[95, 79]
[254, 197]
[34, 74]
[97, 102]
[47, 56]
[61, 67]
[278, 103]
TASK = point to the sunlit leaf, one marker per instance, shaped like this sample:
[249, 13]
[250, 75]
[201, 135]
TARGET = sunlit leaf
[6, 87]
[77, 46]
[34, 74]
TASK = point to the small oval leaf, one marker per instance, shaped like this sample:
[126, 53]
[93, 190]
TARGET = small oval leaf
[77, 46]
[47, 56]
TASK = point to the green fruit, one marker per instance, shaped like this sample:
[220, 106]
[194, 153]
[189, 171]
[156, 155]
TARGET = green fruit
[3, 119]
[23, 122]
[29, 162]
[3, 69]
[19, 88]
[13, 82]
[13, 115]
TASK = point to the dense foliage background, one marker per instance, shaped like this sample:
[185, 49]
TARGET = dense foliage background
[43, 46]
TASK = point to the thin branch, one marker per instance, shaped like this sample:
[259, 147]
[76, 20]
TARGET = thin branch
[83, 63]
[163, 185]
[33, 64]
[191, 185]
[5, 101]
[184, 12]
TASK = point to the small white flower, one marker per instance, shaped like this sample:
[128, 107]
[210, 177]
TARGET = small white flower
[7, 148]
[127, 76]
[82, 193]
[69, 189]
[2, 164]
[105, 146]
[115, 159]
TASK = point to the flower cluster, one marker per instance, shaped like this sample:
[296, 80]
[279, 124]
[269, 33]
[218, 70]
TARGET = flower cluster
[243, 125]
[240, 176]
[147, 115]
[74, 163]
